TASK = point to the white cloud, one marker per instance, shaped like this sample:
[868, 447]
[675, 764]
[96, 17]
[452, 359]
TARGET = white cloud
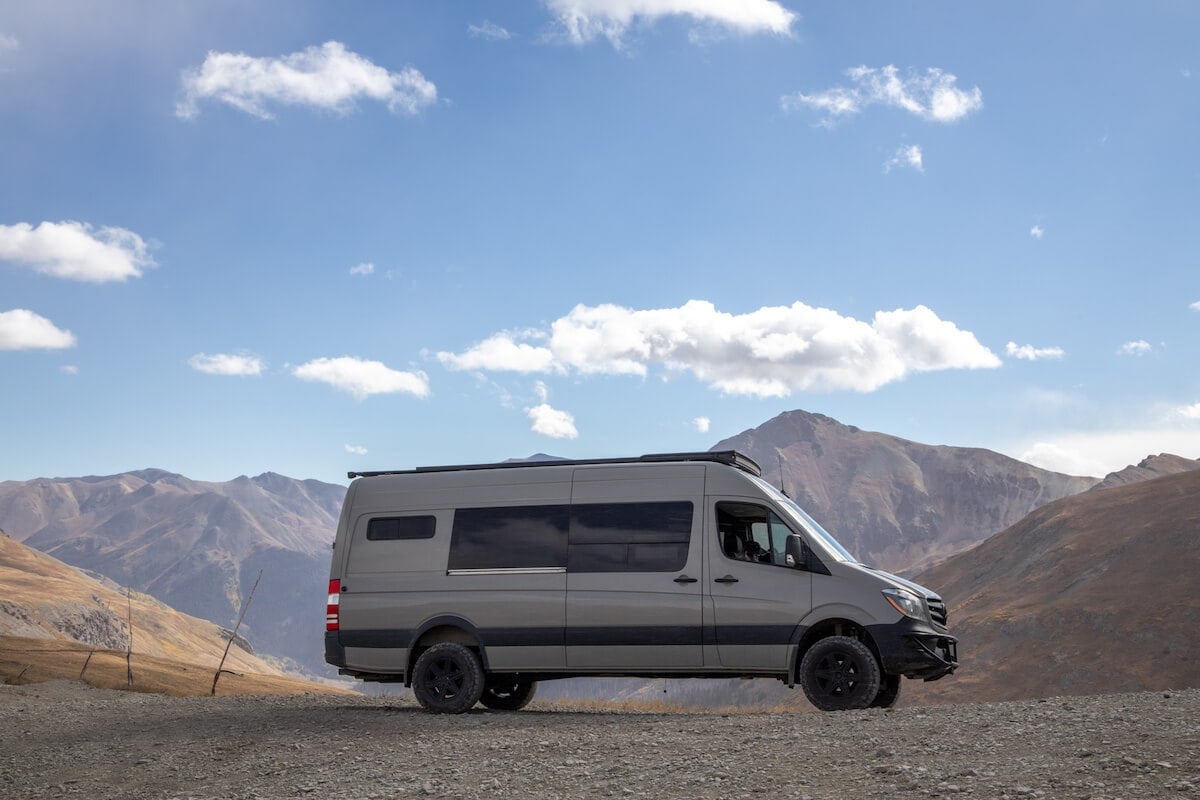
[362, 269]
[1195, 306]
[502, 353]
[1101, 452]
[75, 251]
[21, 329]
[549, 421]
[362, 378]
[584, 20]
[702, 424]
[932, 96]
[770, 352]
[356, 450]
[906, 157]
[552, 422]
[243, 364]
[8, 42]
[1028, 352]
[328, 77]
[490, 31]
[69, 369]
[1137, 348]
[1190, 412]
[1037, 231]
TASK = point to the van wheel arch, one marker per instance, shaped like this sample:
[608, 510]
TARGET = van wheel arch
[444, 629]
[832, 627]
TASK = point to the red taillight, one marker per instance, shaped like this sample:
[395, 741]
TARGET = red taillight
[331, 608]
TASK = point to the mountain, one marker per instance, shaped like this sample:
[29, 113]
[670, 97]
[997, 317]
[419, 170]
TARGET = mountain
[1093, 593]
[1147, 468]
[895, 504]
[195, 545]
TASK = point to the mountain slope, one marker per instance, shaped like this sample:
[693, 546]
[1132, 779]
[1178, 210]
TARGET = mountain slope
[43, 598]
[896, 504]
[196, 546]
[1089, 594]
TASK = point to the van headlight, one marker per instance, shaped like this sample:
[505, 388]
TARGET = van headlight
[906, 603]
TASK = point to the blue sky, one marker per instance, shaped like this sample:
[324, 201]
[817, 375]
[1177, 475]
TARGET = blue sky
[310, 237]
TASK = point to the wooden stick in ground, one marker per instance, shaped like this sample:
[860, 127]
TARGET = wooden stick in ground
[241, 616]
[129, 650]
[87, 661]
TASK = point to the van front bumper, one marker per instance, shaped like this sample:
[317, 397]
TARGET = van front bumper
[915, 650]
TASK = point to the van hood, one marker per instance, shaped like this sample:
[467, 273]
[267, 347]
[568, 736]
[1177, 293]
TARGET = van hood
[897, 581]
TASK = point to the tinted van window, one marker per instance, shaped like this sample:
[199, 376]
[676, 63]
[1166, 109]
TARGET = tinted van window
[513, 537]
[629, 537]
[384, 528]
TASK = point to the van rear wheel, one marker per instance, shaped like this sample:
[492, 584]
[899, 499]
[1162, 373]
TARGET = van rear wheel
[508, 692]
[448, 678]
[839, 673]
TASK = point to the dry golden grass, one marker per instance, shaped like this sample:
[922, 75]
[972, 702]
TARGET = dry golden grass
[24, 660]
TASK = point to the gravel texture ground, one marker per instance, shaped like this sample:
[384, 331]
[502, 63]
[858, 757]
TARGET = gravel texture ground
[66, 740]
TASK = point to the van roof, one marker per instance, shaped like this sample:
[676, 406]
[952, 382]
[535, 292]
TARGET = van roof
[731, 457]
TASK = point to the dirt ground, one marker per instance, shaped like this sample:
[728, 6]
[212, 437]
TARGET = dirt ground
[62, 739]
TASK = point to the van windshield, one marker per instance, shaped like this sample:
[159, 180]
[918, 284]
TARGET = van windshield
[818, 536]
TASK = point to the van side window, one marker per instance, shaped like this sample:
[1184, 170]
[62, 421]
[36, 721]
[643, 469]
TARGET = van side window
[384, 528]
[511, 537]
[751, 533]
[629, 537]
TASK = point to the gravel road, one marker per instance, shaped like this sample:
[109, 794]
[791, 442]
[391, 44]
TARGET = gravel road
[65, 740]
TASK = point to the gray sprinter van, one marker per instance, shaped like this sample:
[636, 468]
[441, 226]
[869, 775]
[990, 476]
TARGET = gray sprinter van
[472, 583]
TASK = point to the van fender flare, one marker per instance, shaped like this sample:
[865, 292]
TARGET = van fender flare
[826, 620]
[445, 621]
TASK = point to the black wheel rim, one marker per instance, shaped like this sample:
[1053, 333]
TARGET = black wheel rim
[445, 677]
[838, 674]
[505, 690]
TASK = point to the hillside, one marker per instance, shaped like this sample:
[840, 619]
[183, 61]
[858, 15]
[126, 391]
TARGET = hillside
[46, 600]
[194, 545]
[1089, 594]
[897, 505]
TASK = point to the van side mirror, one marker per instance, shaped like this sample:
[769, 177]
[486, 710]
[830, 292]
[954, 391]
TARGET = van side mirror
[795, 552]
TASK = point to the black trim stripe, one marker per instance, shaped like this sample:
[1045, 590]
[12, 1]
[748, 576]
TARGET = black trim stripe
[623, 636]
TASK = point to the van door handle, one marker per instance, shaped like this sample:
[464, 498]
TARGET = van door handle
[685, 579]
[727, 579]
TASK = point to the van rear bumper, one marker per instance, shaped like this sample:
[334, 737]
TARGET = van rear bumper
[915, 650]
[334, 652]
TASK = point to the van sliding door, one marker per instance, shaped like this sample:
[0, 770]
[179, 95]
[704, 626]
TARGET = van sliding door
[634, 562]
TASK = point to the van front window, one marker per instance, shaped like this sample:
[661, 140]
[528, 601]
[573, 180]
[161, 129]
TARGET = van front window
[818, 537]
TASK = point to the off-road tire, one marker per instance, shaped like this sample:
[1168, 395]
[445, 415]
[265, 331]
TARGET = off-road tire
[889, 692]
[508, 692]
[448, 678]
[839, 673]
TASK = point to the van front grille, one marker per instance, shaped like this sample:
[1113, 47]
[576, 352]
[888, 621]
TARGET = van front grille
[937, 610]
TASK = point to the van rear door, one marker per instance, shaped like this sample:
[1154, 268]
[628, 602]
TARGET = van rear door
[634, 565]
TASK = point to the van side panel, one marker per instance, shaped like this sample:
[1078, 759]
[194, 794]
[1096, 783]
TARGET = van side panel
[391, 589]
[635, 619]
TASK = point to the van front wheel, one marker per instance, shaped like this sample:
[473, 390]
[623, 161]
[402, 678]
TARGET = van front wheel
[839, 673]
[889, 692]
[508, 692]
[447, 678]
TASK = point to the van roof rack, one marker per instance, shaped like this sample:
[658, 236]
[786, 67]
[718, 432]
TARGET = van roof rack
[731, 457]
